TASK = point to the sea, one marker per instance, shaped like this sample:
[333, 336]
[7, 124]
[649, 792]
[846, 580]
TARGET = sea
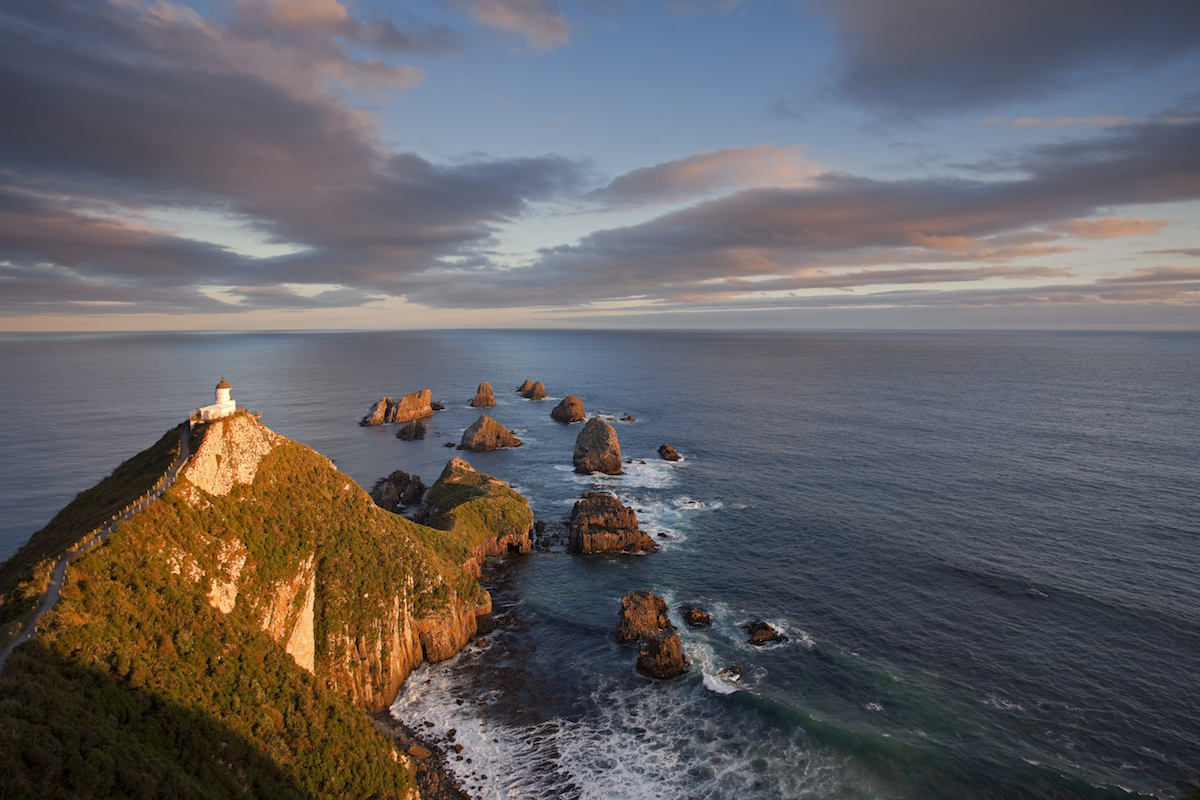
[983, 548]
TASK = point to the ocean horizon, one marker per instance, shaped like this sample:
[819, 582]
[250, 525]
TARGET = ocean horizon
[984, 547]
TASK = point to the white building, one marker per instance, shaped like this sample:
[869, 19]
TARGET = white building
[222, 408]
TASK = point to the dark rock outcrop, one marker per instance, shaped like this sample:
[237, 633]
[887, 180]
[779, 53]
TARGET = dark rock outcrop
[396, 490]
[696, 617]
[436, 406]
[487, 434]
[484, 396]
[536, 392]
[410, 407]
[525, 387]
[597, 449]
[761, 633]
[412, 431]
[568, 410]
[667, 452]
[643, 618]
[601, 524]
[628, 418]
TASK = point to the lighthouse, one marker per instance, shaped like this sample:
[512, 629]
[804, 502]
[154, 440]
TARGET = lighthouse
[224, 405]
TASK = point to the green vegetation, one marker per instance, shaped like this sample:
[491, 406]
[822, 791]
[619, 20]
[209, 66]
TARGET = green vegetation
[474, 507]
[136, 686]
[23, 577]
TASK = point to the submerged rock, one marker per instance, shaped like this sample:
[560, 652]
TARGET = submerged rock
[536, 392]
[601, 524]
[412, 431]
[409, 407]
[597, 449]
[483, 396]
[761, 633]
[568, 410]
[667, 452]
[397, 490]
[487, 434]
[643, 618]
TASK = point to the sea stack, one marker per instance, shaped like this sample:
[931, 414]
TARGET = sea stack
[568, 410]
[536, 392]
[410, 407]
[601, 524]
[487, 434]
[597, 449]
[525, 387]
[396, 490]
[667, 452]
[412, 431]
[643, 618]
[484, 396]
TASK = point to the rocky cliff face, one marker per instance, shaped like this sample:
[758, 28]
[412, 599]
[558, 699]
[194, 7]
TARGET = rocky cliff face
[643, 619]
[409, 407]
[359, 630]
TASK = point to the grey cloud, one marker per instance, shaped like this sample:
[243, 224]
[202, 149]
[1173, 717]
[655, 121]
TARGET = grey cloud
[912, 56]
[844, 221]
[110, 111]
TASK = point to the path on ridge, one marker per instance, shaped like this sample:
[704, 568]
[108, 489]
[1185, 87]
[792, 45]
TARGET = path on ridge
[58, 574]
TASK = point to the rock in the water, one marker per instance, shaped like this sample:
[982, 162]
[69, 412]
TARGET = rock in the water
[396, 490]
[642, 612]
[628, 418]
[536, 392]
[525, 387]
[410, 407]
[483, 396]
[643, 618]
[448, 444]
[412, 431]
[597, 449]
[761, 633]
[668, 452]
[568, 410]
[601, 524]
[487, 434]
[436, 406]
[696, 617]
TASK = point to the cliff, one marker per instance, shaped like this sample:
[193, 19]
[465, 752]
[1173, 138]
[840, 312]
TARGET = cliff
[224, 640]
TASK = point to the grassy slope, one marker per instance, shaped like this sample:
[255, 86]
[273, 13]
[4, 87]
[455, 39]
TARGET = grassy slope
[138, 687]
[23, 577]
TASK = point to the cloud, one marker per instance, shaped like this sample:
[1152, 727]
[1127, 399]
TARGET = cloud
[913, 56]
[542, 24]
[1183, 251]
[708, 172]
[1058, 122]
[111, 111]
[774, 237]
[1111, 227]
[1159, 275]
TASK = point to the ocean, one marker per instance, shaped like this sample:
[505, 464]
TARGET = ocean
[984, 548]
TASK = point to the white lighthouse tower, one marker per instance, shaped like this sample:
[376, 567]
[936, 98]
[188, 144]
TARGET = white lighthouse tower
[224, 405]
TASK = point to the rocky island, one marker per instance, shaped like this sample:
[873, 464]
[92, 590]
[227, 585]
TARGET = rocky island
[487, 434]
[600, 523]
[597, 449]
[409, 407]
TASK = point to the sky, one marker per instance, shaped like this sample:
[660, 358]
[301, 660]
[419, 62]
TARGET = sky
[717, 164]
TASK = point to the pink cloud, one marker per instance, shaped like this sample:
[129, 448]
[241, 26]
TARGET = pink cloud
[539, 21]
[1110, 227]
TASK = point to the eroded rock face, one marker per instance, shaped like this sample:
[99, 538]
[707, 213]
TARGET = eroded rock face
[761, 633]
[484, 396]
[568, 410]
[536, 392]
[667, 452]
[643, 618]
[487, 434]
[230, 453]
[412, 431]
[525, 387]
[597, 449]
[601, 524]
[397, 490]
[696, 617]
[409, 407]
